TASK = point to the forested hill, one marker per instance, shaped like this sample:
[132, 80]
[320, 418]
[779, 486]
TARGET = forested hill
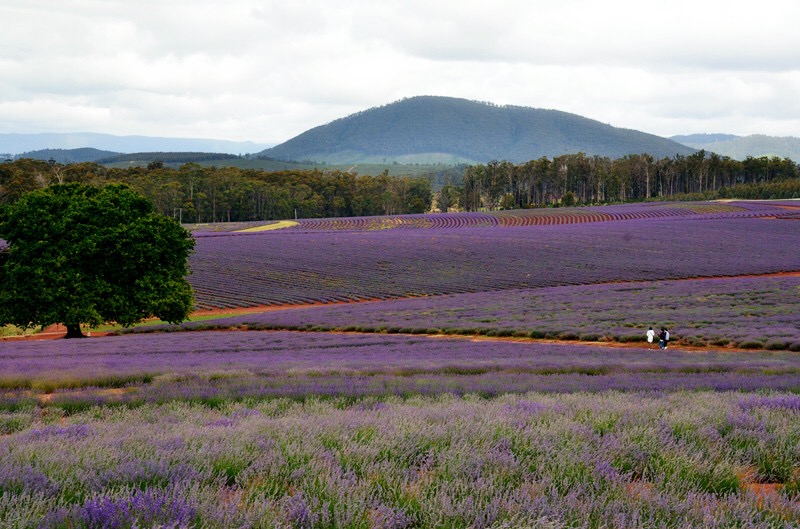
[740, 147]
[429, 129]
[83, 154]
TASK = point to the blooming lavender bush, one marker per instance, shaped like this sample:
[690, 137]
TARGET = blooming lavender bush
[158, 367]
[283, 429]
[685, 459]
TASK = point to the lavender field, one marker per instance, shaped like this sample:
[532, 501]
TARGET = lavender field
[529, 217]
[449, 407]
[214, 366]
[751, 312]
[626, 460]
[283, 429]
[297, 266]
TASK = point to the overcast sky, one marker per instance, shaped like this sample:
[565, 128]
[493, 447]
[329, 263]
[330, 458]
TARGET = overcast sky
[265, 70]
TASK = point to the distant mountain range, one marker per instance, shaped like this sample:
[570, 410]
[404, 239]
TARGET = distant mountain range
[88, 154]
[423, 129]
[428, 129]
[740, 147]
[65, 156]
[15, 144]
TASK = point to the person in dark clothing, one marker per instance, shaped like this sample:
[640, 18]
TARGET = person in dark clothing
[662, 338]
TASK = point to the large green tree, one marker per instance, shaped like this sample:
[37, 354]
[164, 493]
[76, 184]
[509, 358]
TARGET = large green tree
[86, 255]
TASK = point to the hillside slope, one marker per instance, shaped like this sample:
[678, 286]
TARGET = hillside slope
[443, 129]
[83, 154]
[13, 144]
[740, 147]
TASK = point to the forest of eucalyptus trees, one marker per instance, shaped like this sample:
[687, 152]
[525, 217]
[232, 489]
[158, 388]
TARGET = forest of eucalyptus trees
[201, 194]
[194, 193]
[582, 179]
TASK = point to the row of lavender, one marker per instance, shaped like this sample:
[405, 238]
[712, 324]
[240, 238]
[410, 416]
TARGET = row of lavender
[529, 217]
[689, 460]
[285, 429]
[218, 366]
[748, 312]
[295, 267]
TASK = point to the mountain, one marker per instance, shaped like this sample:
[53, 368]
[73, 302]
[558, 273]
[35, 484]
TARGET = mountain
[429, 129]
[84, 154]
[14, 144]
[740, 147]
[701, 139]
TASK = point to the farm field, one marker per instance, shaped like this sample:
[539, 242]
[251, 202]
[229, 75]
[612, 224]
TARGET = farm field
[287, 429]
[641, 242]
[459, 396]
[751, 312]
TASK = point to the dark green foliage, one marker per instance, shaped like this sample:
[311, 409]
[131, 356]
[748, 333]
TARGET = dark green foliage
[195, 194]
[777, 345]
[751, 344]
[166, 157]
[572, 179]
[85, 255]
[762, 190]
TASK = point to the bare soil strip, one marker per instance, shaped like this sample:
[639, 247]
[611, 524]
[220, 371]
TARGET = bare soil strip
[53, 332]
[255, 309]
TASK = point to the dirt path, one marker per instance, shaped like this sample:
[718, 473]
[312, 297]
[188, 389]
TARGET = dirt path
[57, 331]
[255, 309]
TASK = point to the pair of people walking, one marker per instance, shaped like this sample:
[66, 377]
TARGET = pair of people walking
[663, 338]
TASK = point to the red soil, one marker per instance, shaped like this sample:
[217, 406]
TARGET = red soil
[57, 331]
[236, 311]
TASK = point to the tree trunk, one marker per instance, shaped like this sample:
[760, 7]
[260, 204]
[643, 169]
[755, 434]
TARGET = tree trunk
[74, 331]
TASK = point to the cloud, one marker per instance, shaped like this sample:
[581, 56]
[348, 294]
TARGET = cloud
[266, 70]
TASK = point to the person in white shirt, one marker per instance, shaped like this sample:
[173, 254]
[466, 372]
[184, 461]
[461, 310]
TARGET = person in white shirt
[651, 334]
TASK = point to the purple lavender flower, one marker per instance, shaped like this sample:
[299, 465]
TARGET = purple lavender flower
[305, 265]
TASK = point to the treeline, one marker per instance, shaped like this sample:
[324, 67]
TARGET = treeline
[196, 194]
[166, 157]
[580, 179]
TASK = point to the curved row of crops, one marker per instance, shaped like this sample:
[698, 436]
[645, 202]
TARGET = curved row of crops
[760, 312]
[532, 217]
[296, 266]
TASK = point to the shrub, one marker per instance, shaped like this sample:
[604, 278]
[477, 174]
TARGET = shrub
[14, 423]
[776, 345]
[696, 341]
[500, 332]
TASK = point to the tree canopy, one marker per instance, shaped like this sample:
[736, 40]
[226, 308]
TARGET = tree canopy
[79, 254]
